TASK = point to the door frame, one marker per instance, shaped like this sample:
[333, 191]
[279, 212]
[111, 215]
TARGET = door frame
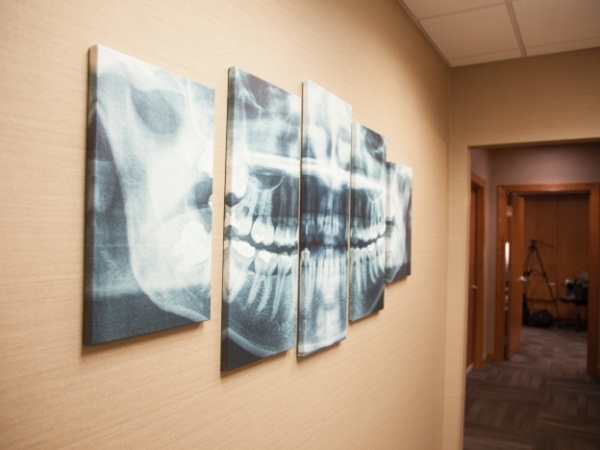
[480, 186]
[593, 189]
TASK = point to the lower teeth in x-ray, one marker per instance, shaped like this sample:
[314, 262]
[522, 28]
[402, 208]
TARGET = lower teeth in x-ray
[149, 216]
[399, 222]
[367, 218]
[324, 219]
[261, 221]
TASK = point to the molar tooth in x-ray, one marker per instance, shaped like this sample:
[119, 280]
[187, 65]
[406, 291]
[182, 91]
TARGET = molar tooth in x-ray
[367, 211]
[261, 221]
[149, 221]
[399, 222]
[238, 257]
[324, 219]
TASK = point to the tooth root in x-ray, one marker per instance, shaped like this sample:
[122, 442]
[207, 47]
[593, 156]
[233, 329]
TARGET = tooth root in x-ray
[367, 222]
[326, 134]
[260, 270]
[399, 222]
[148, 224]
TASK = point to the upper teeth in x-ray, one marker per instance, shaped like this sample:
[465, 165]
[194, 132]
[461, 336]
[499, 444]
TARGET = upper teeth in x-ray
[324, 219]
[399, 222]
[261, 220]
[149, 229]
[367, 218]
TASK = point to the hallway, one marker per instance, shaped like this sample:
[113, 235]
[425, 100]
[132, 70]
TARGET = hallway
[541, 399]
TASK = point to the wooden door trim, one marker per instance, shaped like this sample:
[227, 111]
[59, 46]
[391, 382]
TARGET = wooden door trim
[593, 189]
[593, 363]
[480, 185]
[502, 235]
[514, 287]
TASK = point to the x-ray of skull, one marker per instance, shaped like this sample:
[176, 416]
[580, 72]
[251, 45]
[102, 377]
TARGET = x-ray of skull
[260, 261]
[315, 221]
[367, 222]
[149, 199]
[324, 207]
[399, 222]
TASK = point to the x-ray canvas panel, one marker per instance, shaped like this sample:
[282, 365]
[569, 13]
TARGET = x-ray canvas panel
[149, 188]
[399, 222]
[367, 222]
[324, 208]
[260, 273]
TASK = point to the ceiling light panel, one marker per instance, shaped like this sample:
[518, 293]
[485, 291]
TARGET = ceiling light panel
[473, 33]
[548, 26]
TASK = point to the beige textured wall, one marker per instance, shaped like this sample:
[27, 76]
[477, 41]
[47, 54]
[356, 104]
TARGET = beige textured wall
[542, 99]
[383, 387]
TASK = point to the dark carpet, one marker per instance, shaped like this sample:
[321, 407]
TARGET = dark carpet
[541, 399]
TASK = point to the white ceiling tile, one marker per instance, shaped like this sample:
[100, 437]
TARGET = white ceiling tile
[488, 57]
[563, 47]
[430, 8]
[544, 22]
[472, 33]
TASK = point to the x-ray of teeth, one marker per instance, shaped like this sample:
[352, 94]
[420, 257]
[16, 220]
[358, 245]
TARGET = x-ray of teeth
[367, 222]
[149, 199]
[325, 182]
[260, 273]
[399, 222]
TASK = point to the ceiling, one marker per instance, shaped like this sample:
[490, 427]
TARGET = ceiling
[469, 32]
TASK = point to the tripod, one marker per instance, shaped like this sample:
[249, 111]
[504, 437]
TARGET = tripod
[532, 253]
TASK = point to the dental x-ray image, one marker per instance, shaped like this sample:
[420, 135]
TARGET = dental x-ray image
[367, 222]
[399, 222]
[149, 199]
[324, 205]
[260, 261]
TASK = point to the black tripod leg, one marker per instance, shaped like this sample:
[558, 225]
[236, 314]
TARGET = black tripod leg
[545, 275]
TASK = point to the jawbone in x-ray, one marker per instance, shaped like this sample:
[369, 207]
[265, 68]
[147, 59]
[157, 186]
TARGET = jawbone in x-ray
[325, 181]
[260, 273]
[399, 222]
[149, 206]
[367, 219]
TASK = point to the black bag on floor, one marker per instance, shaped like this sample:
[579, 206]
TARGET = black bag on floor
[540, 319]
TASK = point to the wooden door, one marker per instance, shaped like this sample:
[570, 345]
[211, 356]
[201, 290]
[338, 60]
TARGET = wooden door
[514, 310]
[476, 274]
[472, 279]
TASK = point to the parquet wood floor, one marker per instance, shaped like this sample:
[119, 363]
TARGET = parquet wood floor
[541, 399]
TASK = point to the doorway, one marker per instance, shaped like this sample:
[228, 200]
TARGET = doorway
[505, 326]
